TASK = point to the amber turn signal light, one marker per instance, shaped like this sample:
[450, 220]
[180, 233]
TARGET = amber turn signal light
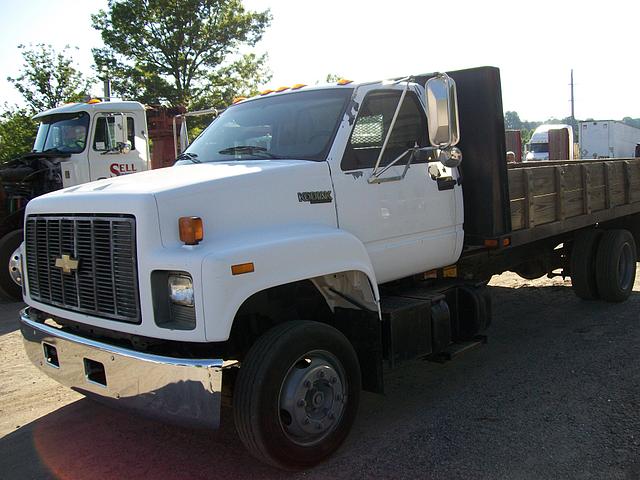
[191, 230]
[242, 268]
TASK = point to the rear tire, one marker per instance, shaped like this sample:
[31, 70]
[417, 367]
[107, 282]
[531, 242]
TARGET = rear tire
[583, 264]
[8, 245]
[616, 265]
[297, 394]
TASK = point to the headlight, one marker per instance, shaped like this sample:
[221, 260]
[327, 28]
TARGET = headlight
[173, 300]
[181, 290]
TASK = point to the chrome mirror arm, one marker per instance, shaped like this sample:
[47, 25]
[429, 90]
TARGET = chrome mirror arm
[375, 176]
[375, 173]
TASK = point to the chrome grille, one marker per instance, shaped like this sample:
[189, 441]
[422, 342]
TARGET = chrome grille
[105, 283]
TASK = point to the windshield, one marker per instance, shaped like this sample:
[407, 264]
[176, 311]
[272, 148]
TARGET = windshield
[540, 147]
[297, 125]
[64, 133]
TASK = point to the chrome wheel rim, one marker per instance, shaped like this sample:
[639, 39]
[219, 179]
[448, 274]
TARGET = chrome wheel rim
[312, 398]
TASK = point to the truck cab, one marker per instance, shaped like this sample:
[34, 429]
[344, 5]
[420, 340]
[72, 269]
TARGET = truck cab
[374, 187]
[76, 143]
[96, 140]
[316, 194]
[539, 149]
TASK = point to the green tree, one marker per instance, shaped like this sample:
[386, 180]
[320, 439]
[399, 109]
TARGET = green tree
[634, 122]
[239, 79]
[332, 78]
[49, 78]
[178, 52]
[512, 120]
[17, 133]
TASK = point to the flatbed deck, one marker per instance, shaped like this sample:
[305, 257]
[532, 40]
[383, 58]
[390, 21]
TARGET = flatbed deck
[551, 198]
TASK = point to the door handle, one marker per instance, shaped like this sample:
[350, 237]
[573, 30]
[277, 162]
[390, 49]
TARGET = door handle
[446, 183]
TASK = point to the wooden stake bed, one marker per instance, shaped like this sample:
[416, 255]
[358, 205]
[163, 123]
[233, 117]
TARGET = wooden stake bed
[550, 198]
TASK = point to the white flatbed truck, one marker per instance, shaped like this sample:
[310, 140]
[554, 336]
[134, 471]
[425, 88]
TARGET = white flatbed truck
[309, 239]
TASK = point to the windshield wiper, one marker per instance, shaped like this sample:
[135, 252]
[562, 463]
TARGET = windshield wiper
[248, 150]
[189, 156]
[49, 153]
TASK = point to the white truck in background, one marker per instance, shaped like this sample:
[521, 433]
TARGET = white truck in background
[78, 143]
[538, 147]
[608, 139]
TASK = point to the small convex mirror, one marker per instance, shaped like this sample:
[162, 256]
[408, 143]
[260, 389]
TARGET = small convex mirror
[442, 111]
[124, 147]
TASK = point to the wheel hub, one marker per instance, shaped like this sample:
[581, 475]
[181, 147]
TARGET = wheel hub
[15, 268]
[312, 398]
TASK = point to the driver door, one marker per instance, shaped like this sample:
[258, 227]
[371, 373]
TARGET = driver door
[409, 225]
[105, 158]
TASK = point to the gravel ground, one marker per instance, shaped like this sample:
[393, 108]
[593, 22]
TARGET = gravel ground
[554, 394]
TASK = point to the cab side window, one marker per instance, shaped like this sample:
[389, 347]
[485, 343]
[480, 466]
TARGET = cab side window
[106, 138]
[372, 125]
[131, 133]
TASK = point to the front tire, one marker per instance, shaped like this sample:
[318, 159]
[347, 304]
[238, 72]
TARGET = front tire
[297, 394]
[8, 245]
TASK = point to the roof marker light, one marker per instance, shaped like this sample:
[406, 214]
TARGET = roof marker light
[344, 81]
[298, 85]
[281, 89]
[93, 101]
[237, 100]
[266, 92]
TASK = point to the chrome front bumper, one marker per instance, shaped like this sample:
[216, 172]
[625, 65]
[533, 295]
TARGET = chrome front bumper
[184, 391]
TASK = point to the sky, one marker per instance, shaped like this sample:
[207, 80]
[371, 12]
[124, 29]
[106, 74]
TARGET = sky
[535, 44]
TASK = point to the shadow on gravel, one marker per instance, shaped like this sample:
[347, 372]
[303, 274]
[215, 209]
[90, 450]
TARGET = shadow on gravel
[554, 394]
[9, 317]
[86, 440]
[560, 296]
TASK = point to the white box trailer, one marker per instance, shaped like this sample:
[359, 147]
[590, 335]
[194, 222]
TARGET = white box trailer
[608, 139]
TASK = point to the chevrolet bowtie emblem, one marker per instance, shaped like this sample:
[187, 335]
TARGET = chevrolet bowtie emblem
[67, 264]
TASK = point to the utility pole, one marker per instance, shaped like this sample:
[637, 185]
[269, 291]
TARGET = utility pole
[106, 85]
[107, 89]
[573, 117]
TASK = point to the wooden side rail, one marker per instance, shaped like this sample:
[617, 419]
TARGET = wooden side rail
[548, 192]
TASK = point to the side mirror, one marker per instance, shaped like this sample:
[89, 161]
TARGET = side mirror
[450, 157]
[124, 147]
[442, 111]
